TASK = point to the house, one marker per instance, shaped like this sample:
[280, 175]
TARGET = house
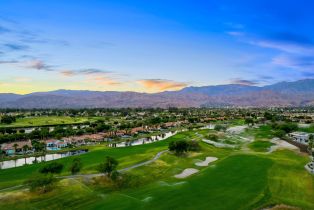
[50, 143]
[53, 144]
[86, 139]
[137, 130]
[17, 147]
[300, 137]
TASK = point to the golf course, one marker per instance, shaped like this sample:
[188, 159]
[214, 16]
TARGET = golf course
[245, 177]
[47, 121]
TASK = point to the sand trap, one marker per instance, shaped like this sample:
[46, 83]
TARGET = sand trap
[206, 161]
[187, 172]
[236, 129]
[218, 144]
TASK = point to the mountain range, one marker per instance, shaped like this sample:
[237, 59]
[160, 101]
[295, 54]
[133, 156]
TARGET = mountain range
[283, 94]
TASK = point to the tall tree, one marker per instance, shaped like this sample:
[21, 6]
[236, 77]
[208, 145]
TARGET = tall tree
[15, 147]
[109, 167]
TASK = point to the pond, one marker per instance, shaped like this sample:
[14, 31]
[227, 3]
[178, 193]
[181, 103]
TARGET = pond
[146, 140]
[30, 160]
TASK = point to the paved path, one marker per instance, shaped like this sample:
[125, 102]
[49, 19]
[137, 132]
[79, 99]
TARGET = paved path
[157, 156]
[12, 188]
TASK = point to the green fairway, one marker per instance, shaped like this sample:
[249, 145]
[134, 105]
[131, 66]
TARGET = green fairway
[226, 185]
[288, 181]
[234, 181]
[127, 156]
[43, 121]
[261, 133]
[260, 146]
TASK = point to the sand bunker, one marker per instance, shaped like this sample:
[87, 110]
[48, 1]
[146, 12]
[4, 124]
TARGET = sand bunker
[206, 161]
[236, 129]
[187, 172]
[218, 144]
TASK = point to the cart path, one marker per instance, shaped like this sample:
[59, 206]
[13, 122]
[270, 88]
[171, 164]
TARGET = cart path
[156, 157]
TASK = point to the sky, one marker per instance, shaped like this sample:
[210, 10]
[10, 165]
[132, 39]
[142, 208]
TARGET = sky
[153, 46]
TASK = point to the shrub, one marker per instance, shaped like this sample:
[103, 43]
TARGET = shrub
[109, 167]
[279, 133]
[193, 146]
[122, 181]
[51, 168]
[76, 166]
[286, 127]
[41, 183]
[179, 147]
[212, 137]
[127, 181]
[219, 127]
[182, 146]
[6, 119]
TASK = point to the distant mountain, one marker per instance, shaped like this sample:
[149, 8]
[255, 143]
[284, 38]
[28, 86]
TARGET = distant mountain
[299, 93]
[6, 97]
[301, 86]
[218, 90]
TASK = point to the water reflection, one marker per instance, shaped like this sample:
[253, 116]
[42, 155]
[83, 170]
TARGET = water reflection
[30, 160]
[146, 140]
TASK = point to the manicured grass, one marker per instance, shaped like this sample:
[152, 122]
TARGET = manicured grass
[260, 146]
[261, 133]
[51, 120]
[289, 182]
[226, 185]
[126, 156]
[234, 181]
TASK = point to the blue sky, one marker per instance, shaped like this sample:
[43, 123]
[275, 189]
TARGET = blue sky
[152, 46]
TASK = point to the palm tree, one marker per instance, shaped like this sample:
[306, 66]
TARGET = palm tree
[25, 149]
[2, 153]
[43, 149]
[15, 147]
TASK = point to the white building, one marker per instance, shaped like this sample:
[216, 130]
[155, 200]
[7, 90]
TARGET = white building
[300, 137]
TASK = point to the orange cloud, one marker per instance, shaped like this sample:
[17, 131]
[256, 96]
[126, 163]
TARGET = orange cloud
[161, 85]
[104, 81]
[94, 76]
[67, 73]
